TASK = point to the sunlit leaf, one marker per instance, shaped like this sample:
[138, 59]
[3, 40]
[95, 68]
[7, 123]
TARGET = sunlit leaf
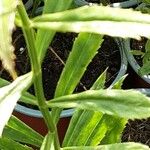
[10, 94]
[119, 146]
[9, 144]
[127, 104]
[111, 28]
[84, 49]
[48, 143]
[19, 131]
[6, 26]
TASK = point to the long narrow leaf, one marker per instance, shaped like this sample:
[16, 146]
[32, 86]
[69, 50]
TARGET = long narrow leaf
[127, 104]
[83, 51]
[77, 123]
[19, 131]
[120, 146]
[25, 97]
[111, 28]
[90, 13]
[10, 94]
[44, 37]
[97, 19]
[6, 26]
[8, 144]
[48, 143]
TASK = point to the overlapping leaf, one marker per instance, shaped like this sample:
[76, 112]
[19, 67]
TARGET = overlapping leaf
[10, 95]
[97, 19]
[7, 16]
[121, 146]
[9, 144]
[127, 104]
[19, 131]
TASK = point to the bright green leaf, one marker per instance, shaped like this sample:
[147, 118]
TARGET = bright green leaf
[120, 146]
[10, 94]
[84, 49]
[84, 122]
[19, 131]
[8, 144]
[48, 143]
[127, 104]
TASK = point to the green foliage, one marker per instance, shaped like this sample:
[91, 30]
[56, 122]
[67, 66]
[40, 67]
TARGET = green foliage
[10, 94]
[101, 114]
[22, 132]
[124, 146]
[128, 104]
[145, 69]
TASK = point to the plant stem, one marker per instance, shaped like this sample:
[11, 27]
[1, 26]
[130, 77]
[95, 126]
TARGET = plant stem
[37, 73]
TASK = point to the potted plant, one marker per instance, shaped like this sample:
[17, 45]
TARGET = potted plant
[101, 114]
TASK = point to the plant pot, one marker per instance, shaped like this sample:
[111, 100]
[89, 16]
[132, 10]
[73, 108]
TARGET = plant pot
[34, 119]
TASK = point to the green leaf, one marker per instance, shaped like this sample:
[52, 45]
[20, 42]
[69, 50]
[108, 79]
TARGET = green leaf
[90, 13]
[44, 37]
[48, 143]
[145, 69]
[83, 51]
[111, 28]
[127, 104]
[119, 83]
[84, 122]
[10, 94]
[120, 146]
[114, 135]
[8, 144]
[97, 19]
[6, 26]
[82, 129]
[137, 53]
[100, 82]
[19, 131]
[26, 97]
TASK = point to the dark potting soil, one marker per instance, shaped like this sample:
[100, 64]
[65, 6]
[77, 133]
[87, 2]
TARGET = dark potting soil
[57, 53]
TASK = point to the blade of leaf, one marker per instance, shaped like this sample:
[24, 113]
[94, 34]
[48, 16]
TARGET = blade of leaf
[10, 94]
[111, 28]
[44, 37]
[7, 144]
[19, 131]
[26, 97]
[76, 123]
[145, 69]
[114, 135]
[48, 143]
[127, 104]
[6, 26]
[121, 146]
[90, 13]
[84, 49]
